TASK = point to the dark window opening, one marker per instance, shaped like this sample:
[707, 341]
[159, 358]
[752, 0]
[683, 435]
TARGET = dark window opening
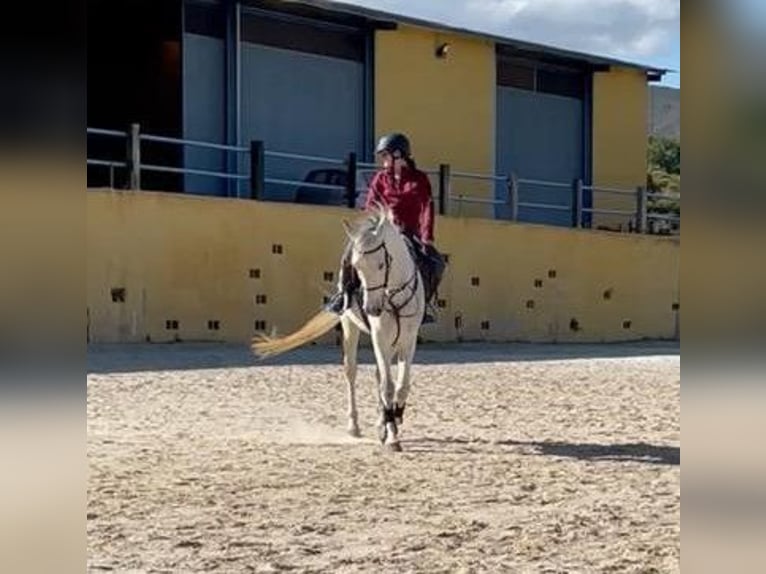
[516, 76]
[134, 76]
[280, 32]
[204, 20]
[541, 78]
[561, 84]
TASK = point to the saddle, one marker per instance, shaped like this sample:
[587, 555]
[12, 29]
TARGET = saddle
[430, 263]
[428, 260]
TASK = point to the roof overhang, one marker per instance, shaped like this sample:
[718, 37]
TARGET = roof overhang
[380, 20]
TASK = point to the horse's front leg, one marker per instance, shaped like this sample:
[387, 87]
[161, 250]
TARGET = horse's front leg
[350, 347]
[402, 390]
[389, 433]
[381, 417]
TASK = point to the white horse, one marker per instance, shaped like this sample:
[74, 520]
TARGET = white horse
[391, 312]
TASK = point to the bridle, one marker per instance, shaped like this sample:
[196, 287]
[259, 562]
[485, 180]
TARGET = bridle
[388, 301]
[382, 246]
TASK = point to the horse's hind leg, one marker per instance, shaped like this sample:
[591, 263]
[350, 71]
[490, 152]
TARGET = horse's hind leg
[350, 346]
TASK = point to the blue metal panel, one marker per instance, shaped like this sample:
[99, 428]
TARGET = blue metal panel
[300, 103]
[539, 136]
[204, 110]
[587, 200]
[233, 89]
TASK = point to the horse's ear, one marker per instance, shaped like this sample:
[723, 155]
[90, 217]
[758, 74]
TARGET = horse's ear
[380, 224]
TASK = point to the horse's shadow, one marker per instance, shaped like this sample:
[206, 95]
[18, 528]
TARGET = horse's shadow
[618, 452]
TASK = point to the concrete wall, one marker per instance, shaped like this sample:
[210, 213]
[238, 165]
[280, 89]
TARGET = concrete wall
[198, 259]
[620, 101]
[446, 105]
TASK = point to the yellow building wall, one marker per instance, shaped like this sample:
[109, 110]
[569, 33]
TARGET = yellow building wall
[446, 105]
[620, 140]
[190, 259]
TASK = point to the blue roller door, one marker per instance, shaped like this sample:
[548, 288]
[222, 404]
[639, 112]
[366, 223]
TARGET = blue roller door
[541, 135]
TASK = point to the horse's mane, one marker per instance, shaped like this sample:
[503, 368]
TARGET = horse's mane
[376, 215]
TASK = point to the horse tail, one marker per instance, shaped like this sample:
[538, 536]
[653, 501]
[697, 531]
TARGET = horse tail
[318, 325]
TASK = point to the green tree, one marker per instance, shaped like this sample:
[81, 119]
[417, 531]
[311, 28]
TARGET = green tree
[664, 175]
[665, 155]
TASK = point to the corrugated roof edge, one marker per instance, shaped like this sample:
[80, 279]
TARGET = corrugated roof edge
[654, 73]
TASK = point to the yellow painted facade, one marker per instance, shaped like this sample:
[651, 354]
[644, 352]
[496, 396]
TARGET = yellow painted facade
[620, 140]
[196, 260]
[446, 105]
[221, 268]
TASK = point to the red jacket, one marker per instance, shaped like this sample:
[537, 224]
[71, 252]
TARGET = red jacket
[409, 200]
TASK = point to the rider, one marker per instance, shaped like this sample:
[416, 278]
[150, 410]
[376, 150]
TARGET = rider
[406, 191]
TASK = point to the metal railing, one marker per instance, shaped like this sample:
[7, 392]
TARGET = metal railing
[111, 164]
[640, 217]
[643, 216]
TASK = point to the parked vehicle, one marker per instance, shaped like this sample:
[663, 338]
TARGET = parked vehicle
[332, 176]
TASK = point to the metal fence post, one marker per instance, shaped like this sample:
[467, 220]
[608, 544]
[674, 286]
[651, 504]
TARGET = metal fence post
[577, 201]
[134, 157]
[444, 187]
[641, 209]
[351, 180]
[513, 196]
[257, 169]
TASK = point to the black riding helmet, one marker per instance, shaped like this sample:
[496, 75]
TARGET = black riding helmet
[392, 143]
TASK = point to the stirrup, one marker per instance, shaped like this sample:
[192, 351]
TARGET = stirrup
[429, 314]
[337, 303]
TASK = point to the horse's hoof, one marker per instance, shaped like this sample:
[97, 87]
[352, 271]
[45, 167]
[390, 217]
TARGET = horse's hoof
[399, 414]
[382, 434]
[394, 446]
[354, 432]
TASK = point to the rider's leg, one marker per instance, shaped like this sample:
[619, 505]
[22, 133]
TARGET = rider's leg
[432, 270]
[437, 265]
[346, 284]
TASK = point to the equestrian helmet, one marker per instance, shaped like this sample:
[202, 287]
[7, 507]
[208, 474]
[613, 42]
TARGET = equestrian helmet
[394, 142]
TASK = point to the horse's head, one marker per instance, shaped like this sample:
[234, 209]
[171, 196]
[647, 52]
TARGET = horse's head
[375, 243]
